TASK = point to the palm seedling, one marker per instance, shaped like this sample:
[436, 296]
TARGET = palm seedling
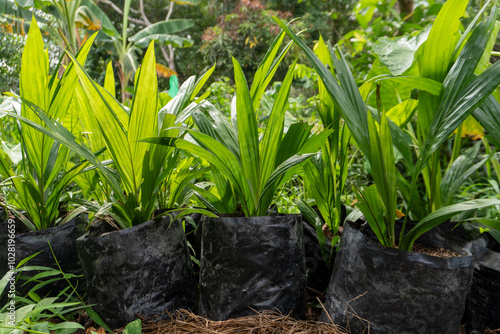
[325, 174]
[462, 92]
[141, 167]
[247, 169]
[45, 168]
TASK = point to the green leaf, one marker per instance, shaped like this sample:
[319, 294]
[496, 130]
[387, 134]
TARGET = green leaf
[106, 24]
[346, 97]
[371, 206]
[103, 107]
[273, 134]
[25, 3]
[57, 132]
[384, 170]
[438, 54]
[461, 169]
[109, 80]
[248, 137]
[33, 86]
[162, 32]
[135, 327]
[414, 82]
[488, 114]
[98, 320]
[403, 112]
[5, 281]
[462, 92]
[441, 215]
[398, 53]
[143, 116]
[210, 200]
[66, 327]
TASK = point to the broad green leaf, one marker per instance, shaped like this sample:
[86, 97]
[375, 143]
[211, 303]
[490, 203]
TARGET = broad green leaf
[488, 114]
[403, 112]
[162, 32]
[271, 141]
[143, 116]
[248, 137]
[437, 56]
[462, 92]
[384, 169]
[103, 108]
[109, 80]
[398, 53]
[33, 86]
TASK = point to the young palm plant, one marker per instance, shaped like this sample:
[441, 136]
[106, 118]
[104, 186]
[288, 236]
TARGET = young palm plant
[462, 93]
[141, 170]
[139, 165]
[247, 168]
[322, 181]
[45, 169]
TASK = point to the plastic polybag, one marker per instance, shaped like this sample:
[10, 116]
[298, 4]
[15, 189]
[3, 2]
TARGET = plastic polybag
[394, 291]
[254, 263]
[144, 270]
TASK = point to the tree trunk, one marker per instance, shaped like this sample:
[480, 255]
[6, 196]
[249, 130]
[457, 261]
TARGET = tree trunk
[405, 7]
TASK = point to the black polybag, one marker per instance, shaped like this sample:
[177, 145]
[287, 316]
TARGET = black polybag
[62, 240]
[395, 291]
[249, 264]
[483, 304]
[144, 270]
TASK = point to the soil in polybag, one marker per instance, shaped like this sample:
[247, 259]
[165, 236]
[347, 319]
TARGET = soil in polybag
[252, 264]
[483, 304]
[62, 239]
[394, 291]
[144, 270]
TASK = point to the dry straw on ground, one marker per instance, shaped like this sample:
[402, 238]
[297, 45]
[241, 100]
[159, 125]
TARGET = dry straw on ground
[183, 322]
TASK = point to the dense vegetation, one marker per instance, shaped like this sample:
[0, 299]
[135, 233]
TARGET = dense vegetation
[122, 108]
